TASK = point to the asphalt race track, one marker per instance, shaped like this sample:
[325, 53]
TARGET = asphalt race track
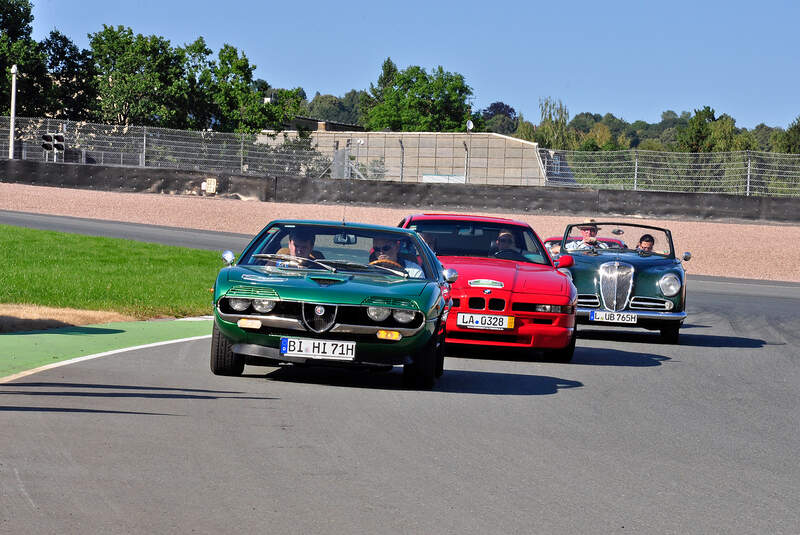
[634, 436]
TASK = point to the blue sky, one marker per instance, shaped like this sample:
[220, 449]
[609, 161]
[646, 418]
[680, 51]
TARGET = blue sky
[634, 59]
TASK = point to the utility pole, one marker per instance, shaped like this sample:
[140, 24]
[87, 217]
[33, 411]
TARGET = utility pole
[13, 111]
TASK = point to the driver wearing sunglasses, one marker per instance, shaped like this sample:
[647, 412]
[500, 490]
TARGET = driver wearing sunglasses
[505, 241]
[387, 253]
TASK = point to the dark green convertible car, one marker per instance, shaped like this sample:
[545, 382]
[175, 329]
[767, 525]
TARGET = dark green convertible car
[626, 275]
[334, 294]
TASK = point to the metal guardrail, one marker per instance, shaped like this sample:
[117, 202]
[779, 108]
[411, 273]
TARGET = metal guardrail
[407, 156]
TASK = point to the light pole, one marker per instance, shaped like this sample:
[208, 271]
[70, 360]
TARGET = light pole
[13, 111]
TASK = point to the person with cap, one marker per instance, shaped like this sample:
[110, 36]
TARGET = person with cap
[588, 239]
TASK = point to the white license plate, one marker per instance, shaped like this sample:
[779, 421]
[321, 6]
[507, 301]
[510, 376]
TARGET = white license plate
[612, 317]
[484, 321]
[318, 349]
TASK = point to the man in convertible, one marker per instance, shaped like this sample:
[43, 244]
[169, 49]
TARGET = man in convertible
[387, 253]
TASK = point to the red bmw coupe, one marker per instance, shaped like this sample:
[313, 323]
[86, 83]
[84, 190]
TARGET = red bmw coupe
[509, 291]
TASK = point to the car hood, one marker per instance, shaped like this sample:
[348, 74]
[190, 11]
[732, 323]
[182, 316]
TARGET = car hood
[515, 276]
[322, 286]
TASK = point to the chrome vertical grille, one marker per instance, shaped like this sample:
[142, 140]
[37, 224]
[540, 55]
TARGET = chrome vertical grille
[318, 318]
[616, 282]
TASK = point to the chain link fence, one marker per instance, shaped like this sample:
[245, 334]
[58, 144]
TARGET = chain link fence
[479, 158]
[738, 173]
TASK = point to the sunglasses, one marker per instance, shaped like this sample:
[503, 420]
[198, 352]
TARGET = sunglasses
[504, 240]
[385, 248]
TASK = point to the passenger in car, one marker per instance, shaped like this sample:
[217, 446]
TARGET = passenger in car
[646, 243]
[386, 251]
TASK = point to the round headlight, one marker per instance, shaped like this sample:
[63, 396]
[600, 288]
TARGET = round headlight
[378, 313]
[670, 284]
[403, 316]
[263, 305]
[239, 305]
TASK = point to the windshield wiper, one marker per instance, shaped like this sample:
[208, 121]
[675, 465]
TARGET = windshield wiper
[371, 266]
[299, 259]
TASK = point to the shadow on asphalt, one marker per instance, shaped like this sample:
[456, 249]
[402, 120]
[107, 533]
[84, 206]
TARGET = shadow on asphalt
[686, 339]
[45, 326]
[583, 355]
[8, 408]
[453, 381]
[145, 392]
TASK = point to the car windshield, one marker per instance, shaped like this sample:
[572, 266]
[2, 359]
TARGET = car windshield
[338, 249]
[596, 237]
[482, 239]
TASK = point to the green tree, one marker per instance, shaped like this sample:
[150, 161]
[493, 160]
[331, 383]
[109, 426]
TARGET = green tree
[341, 110]
[375, 95]
[789, 141]
[18, 48]
[196, 94]
[140, 79]
[525, 129]
[583, 122]
[552, 132]
[73, 93]
[418, 101]
[696, 135]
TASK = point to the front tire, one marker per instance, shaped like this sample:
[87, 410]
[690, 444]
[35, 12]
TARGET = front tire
[421, 373]
[565, 353]
[223, 360]
[670, 334]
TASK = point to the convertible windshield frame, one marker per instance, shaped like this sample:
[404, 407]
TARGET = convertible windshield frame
[628, 233]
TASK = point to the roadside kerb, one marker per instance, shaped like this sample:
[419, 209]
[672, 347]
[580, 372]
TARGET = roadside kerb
[22, 352]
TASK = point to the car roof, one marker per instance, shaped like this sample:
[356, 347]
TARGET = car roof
[344, 224]
[464, 217]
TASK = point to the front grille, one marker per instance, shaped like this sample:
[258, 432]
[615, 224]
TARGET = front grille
[319, 322]
[456, 302]
[616, 282]
[388, 301]
[478, 303]
[255, 292]
[497, 304]
[650, 303]
[588, 300]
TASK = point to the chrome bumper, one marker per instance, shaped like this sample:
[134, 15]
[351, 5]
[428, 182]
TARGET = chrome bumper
[273, 353]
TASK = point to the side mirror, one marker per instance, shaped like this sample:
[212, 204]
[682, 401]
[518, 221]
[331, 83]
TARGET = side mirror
[687, 256]
[228, 257]
[450, 275]
[565, 261]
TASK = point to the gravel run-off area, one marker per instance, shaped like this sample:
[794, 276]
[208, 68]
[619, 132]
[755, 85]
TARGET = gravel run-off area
[726, 249]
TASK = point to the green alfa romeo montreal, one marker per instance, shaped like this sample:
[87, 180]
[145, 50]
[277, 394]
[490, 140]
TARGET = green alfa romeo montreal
[332, 294]
[627, 275]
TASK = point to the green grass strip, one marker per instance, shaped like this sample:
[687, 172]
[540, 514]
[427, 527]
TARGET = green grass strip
[143, 280]
[25, 351]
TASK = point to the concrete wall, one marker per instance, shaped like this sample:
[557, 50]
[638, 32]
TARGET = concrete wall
[482, 158]
[463, 197]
